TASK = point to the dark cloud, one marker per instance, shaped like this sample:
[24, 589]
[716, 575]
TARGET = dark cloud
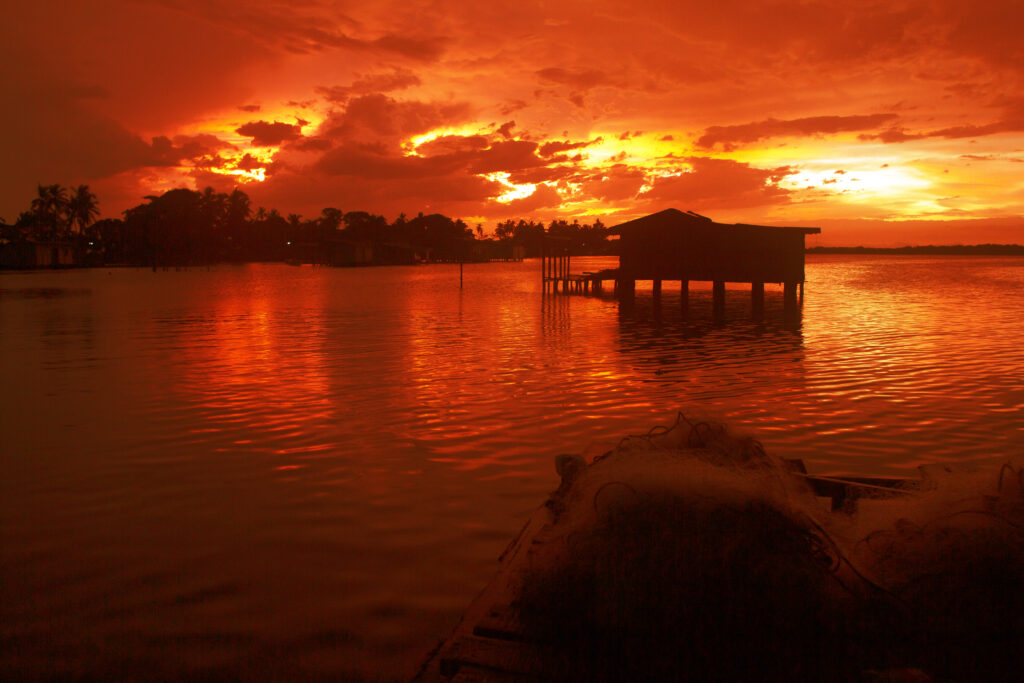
[555, 146]
[249, 107]
[990, 157]
[248, 163]
[513, 106]
[397, 79]
[721, 184]
[378, 116]
[891, 135]
[419, 49]
[267, 134]
[506, 155]
[453, 144]
[374, 162]
[973, 131]
[452, 156]
[582, 79]
[731, 136]
[542, 174]
[505, 130]
[313, 144]
[304, 28]
[211, 161]
[614, 183]
[164, 151]
[307, 191]
[989, 29]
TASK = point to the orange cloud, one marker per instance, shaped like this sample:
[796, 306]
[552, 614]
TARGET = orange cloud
[731, 136]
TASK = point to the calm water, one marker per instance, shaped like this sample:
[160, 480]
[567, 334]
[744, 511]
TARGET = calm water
[278, 472]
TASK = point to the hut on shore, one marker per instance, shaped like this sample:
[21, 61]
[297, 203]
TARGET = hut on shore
[673, 245]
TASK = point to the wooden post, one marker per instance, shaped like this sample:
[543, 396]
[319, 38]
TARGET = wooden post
[627, 287]
[460, 274]
[684, 296]
[757, 299]
[656, 285]
[789, 298]
[718, 298]
[543, 269]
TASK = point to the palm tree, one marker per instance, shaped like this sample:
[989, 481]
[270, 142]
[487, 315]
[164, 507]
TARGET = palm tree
[82, 208]
[49, 208]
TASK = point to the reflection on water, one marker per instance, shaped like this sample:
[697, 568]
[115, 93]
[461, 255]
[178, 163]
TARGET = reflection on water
[289, 473]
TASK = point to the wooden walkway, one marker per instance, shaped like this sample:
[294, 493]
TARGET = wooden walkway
[489, 643]
[580, 283]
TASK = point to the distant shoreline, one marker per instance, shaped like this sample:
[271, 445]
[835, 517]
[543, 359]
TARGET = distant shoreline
[954, 250]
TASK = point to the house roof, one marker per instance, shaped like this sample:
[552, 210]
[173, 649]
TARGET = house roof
[674, 219]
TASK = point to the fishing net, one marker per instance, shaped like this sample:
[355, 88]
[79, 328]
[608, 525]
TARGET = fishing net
[690, 553]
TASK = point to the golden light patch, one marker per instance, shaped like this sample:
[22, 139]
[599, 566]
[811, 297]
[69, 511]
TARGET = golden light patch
[411, 146]
[514, 191]
[224, 126]
[860, 183]
[652, 174]
[244, 176]
[260, 157]
[643, 148]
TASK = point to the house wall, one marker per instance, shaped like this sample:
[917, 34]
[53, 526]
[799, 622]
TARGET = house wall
[713, 253]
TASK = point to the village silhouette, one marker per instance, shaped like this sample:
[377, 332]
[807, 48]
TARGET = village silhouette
[184, 228]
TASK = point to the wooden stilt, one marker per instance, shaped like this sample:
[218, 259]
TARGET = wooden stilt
[718, 298]
[757, 300]
[684, 296]
[789, 298]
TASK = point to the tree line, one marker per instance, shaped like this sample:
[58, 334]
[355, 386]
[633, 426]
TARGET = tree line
[188, 227]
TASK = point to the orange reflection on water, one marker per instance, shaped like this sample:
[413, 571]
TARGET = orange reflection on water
[476, 377]
[256, 368]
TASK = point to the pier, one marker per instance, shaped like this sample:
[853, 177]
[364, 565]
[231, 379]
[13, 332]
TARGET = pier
[686, 247]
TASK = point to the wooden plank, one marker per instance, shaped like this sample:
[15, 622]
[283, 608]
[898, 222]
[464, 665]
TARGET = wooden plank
[501, 623]
[499, 655]
[845, 492]
[474, 674]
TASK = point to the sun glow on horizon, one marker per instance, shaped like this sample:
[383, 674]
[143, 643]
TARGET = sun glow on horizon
[859, 183]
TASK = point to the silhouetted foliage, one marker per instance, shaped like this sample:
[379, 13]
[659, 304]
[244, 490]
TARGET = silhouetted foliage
[185, 227]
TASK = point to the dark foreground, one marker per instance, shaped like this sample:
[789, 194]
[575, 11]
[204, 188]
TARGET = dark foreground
[693, 555]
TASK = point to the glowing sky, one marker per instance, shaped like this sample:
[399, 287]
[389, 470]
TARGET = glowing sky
[883, 122]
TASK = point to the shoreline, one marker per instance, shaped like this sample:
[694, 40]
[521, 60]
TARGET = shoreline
[921, 250]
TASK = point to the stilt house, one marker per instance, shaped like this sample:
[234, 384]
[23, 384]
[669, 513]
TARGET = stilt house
[673, 245]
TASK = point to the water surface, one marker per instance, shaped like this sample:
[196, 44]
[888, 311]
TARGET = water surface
[294, 473]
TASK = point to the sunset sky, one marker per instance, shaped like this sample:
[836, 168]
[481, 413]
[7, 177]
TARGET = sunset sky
[886, 123]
